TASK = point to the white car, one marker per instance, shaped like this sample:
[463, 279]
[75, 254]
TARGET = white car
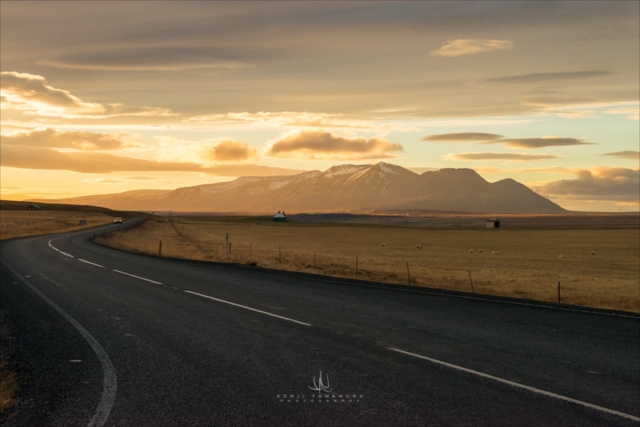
[117, 220]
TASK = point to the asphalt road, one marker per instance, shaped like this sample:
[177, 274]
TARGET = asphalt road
[110, 338]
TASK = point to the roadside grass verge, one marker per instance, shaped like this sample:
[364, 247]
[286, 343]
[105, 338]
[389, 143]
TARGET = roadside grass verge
[8, 388]
[8, 378]
[527, 264]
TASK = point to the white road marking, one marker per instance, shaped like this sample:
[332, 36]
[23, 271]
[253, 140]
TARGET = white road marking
[249, 308]
[138, 277]
[58, 250]
[110, 382]
[92, 263]
[514, 384]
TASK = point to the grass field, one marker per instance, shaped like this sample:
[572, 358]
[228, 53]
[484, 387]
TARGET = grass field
[529, 265]
[14, 223]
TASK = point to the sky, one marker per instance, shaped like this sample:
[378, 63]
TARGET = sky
[107, 97]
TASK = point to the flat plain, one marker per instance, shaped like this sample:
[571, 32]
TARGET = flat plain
[594, 260]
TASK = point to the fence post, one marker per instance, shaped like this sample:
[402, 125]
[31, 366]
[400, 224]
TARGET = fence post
[160, 248]
[408, 274]
[471, 281]
[229, 248]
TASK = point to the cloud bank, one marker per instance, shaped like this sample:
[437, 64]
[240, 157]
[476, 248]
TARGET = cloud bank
[24, 157]
[603, 183]
[79, 140]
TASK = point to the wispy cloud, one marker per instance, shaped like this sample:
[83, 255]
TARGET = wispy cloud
[79, 140]
[629, 154]
[632, 113]
[318, 144]
[31, 94]
[546, 141]
[285, 119]
[461, 47]
[462, 137]
[550, 77]
[152, 58]
[602, 183]
[490, 138]
[512, 157]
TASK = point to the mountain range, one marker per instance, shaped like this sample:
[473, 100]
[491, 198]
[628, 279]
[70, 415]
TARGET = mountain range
[341, 188]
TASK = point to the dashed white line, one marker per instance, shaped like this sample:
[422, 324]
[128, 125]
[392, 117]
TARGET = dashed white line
[249, 308]
[514, 384]
[88, 262]
[137, 277]
[58, 250]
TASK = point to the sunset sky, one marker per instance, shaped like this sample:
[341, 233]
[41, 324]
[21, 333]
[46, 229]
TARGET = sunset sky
[106, 97]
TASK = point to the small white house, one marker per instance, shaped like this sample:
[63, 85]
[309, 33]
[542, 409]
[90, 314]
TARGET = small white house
[280, 217]
[492, 223]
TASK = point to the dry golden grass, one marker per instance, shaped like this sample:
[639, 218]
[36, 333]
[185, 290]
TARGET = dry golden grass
[15, 223]
[8, 388]
[529, 265]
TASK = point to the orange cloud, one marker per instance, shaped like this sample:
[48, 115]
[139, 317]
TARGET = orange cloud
[67, 139]
[461, 47]
[31, 94]
[318, 144]
[231, 151]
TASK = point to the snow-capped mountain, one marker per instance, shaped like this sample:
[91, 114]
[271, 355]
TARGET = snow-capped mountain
[340, 188]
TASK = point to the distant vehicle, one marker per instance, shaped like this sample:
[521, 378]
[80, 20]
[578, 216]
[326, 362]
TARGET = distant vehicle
[117, 220]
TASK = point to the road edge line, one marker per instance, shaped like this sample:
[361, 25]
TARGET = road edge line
[110, 383]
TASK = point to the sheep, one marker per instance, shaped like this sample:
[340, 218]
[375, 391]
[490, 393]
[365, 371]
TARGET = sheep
[593, 253]
[495, 253]
[470, 251]
[480, 250]
[560, 256]
[418, 247]
[383, 245]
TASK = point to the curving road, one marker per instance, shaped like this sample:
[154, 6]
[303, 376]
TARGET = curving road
[111, 338]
